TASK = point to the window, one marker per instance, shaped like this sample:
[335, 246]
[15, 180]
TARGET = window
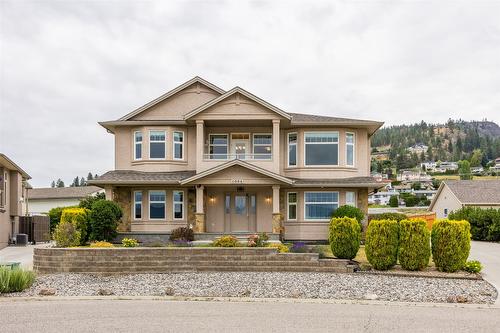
[178, 203]
[178, 145]
[262, 146]
[292, 206]
[157, 205]
[320, 205]
[322, 148]
[350, 198]
[292, 149]
[349, 149]
[138, 145]
[137, 205]
[157, 145]
[218, 146]
[445, 212]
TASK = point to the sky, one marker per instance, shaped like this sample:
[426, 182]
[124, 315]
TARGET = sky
[65, 65]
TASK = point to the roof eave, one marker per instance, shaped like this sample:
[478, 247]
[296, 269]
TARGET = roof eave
[14, 166]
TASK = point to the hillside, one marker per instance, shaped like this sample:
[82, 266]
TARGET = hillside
[408, 145]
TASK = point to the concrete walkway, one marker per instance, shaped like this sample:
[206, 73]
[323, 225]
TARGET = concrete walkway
[489, 255]
[22, 254]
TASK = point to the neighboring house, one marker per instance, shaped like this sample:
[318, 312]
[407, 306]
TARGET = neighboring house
[496, 167]
[12, 198]
[477, 170]
[381, 198]
[41, 200]
[445, 166]
[413, 176]
[455, 194]
[229, 162]
[418, 149]
[428, 166]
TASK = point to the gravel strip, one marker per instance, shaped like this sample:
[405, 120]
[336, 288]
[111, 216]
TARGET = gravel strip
[269, 284]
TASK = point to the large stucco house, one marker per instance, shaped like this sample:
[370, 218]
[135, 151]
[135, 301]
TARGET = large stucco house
[228, 162]
[13, 184]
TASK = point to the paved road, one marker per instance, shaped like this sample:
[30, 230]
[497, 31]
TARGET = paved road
[489, 255]
[204, 316]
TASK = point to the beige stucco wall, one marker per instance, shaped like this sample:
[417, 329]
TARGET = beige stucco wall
[445, 200]
[13, 207]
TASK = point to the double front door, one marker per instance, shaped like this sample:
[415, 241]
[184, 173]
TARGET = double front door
[240, 212]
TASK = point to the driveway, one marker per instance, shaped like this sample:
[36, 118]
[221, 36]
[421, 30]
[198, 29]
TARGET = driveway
[22, 254]
[489, 255]
[208, 316]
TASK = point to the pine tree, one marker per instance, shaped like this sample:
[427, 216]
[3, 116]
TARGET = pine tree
[89, 176]
[59, 183]
[82, 182]
[53, 184]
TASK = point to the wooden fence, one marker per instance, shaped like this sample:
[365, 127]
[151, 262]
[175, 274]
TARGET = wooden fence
[36, 227]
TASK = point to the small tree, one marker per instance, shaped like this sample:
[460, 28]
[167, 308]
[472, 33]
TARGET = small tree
[414, 244]
[393, 201]
[464, 170]
[450, 244]
[88, 201]
[66, 234]
[382, 240]
[104, 219]
[345, 237]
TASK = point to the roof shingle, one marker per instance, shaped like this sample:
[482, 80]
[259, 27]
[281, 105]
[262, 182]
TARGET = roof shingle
[62, 192]
[475, 191]
[138, 177]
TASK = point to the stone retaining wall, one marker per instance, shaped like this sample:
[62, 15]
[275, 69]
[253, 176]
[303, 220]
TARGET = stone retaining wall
[162, 260]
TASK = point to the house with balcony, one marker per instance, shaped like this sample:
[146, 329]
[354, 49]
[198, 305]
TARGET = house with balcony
[229, 162]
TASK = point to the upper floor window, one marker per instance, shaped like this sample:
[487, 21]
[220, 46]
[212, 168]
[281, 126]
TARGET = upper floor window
[322, 148]
[138, 145]
[157, 144]
[137, 205]
[320, 205]
[292, 149]
[218, 145]
[178, 145]
[262, 146]
[349, 141]
[156, 205]
[178, 204]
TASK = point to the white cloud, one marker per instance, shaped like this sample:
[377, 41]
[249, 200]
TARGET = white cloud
[66, 65]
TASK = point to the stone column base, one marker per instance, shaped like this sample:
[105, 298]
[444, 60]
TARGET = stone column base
[199, 223]
[277, 227]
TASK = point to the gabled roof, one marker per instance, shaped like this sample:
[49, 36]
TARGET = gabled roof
[62, 192]
[237, 90]
[172, 92]
[241, 163]
[472, 192]
[9, 164]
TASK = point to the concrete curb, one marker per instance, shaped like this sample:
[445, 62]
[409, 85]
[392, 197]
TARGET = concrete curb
[245, 300]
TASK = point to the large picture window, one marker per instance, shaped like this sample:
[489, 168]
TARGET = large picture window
[320, 205]
[349, 141]
[157, 145]
[178, 145]
[292, 149]
[292, 205]
[322, 148]
[138, 145]
[178, 204]
[157, 205]
[218, 146]
[262, 146]
[137, 205]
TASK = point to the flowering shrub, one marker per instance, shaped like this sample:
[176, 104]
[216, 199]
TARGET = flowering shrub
[226, 241]
[473, 266]
[299, 247]
[258, 240]
[282, 248]
[101, 244]
[130, 242]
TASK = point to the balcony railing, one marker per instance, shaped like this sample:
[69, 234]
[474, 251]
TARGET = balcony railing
[226, 157]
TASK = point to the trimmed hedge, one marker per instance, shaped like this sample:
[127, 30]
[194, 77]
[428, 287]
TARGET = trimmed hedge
[345, 237]
[104, 218]
[484, 223]
[381, 247]
[79, 217]
[414, 244]
[450, 244]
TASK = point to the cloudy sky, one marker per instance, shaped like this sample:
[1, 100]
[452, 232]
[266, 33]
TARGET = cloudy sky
[64, 65]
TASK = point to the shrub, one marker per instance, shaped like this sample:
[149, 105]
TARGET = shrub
[299, 247]
[79, 217]
[89, 200]
[4, 279]
[345, 237]
[393, 201]
[414, 244]
[130, 242]
[282, 248]
[381, 247]
[259, 240]
[104, 219]
[20, 280]
[349, 211]
[101, 244]
[450, 244]
[226, 241]
[182, 233]
[473, 266]
[484, 223]
[66, 235]
[55, 216]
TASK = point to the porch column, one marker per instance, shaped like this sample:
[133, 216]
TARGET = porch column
[276, 210]
[200, 212]
[108, 191]
[200, 143]
[276, 145]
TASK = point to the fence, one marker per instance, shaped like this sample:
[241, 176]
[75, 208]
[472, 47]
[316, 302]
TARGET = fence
[36, 227]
